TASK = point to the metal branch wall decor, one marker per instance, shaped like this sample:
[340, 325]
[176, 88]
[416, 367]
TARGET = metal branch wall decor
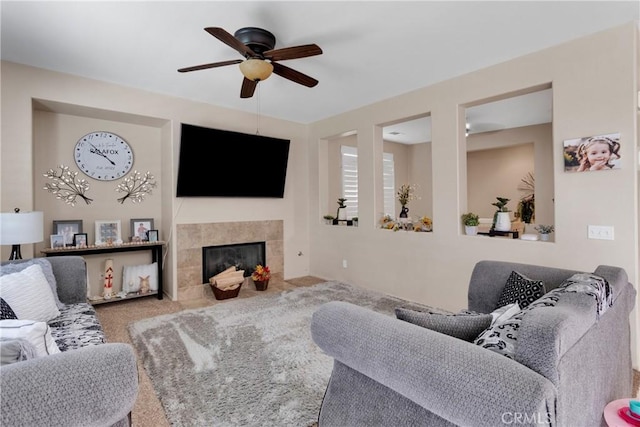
[65, 186]
[136, 187]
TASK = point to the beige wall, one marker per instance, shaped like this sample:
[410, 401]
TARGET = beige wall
[44, 113]
[524, 149]
[434, 268]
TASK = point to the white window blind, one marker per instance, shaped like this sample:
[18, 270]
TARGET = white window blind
[388, 183]
[350, 179]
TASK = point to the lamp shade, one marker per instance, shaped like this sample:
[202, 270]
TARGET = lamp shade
[256, 69]
[21, 227]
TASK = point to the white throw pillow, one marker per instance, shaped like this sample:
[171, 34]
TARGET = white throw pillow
[505, 312]
[131, 276]
[28, 294]
[37, 333]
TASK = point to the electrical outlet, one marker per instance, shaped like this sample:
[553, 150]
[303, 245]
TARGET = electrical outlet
[344, 263]
[601, 232]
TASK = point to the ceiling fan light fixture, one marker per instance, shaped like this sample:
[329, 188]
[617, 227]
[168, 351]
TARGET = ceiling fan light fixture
[256, 69]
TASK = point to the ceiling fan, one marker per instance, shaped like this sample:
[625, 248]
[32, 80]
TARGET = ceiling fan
[261, 59]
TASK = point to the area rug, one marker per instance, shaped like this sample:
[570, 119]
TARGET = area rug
[245, 362]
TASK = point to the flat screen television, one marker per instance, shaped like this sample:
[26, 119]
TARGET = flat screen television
[221, 163]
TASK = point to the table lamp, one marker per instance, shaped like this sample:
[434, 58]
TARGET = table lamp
[20, 227]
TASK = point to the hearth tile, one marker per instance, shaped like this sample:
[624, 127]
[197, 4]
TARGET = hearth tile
[189, 276]
[190, 258]
[215, 233]
[188, 236]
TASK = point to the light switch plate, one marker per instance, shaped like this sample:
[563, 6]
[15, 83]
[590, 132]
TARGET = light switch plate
[601, 232]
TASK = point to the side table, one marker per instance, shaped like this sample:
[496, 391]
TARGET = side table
[611, 413]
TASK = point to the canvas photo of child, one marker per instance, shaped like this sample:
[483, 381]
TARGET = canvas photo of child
[593, 153]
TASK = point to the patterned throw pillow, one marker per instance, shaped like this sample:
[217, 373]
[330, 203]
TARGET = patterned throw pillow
[462, 326]
[502, 335]
[5, 311]
[521, 289]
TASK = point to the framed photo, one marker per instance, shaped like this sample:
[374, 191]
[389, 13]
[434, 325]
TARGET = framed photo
[80, 240]
[108, 232]
[67, 228]
[592, 153]
[153, 235]
[140, 227]
[57, 241]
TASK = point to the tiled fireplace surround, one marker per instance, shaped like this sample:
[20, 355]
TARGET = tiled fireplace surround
[191, 238]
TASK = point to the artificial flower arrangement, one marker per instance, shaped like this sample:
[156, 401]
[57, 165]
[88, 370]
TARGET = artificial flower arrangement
[424, 223]
[406, 193]
[261, 274]
[388, 224]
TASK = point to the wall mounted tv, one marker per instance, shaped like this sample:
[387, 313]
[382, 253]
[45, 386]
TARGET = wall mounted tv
[220, 163]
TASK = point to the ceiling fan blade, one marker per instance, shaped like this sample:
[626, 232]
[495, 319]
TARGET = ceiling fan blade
[293, 75]
[293, 52]
[212, 65]
[231, 41]
[248, 87]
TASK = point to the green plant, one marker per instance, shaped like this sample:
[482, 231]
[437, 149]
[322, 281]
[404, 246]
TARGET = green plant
[329, 217]
[341, 205]
[501, 204]
[355, 218]
[470, 219]
[545, 229]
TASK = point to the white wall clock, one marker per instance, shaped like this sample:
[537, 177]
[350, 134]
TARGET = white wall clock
[103, 156]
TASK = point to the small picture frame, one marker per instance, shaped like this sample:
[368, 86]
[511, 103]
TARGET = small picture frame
[152, 235]
[140, 227]
[67, 228]
[108, 232]
[57, 241]
[80, 240]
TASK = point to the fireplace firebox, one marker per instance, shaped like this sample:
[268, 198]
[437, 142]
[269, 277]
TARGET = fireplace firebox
[244, 256]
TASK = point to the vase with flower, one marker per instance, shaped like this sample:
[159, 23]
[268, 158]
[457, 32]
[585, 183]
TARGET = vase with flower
[405, 194]
[261, 276]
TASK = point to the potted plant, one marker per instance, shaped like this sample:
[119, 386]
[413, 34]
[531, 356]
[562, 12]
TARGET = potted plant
[328, 219]
[342, 209]
[260, 277]
[544, 231]
[470, 222]
[501, 219]
[355, 221]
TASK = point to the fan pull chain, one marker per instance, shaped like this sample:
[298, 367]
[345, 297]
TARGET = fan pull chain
[258, 110]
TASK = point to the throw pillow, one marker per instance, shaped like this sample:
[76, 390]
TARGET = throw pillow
[519, 288]
[131, 275]
[37, 333]
[463, 326]
[503, 313]
[5, 311]
[502, 336]
[29, 295]
[16, 350]
[47, 269]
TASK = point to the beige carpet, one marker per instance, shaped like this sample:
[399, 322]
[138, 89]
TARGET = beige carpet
[115, 317]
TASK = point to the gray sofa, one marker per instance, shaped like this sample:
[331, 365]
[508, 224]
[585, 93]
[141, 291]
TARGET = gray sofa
[90, 383]
[570, 361]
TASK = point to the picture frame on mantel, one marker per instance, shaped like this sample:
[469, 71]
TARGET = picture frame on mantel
[140, 228]
[108, 232]
[67, 228]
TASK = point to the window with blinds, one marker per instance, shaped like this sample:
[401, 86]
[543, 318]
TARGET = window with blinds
[388, 183]
[349, 157]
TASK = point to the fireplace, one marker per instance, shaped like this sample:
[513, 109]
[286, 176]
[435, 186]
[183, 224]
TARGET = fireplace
[191, 238]
[244, 256]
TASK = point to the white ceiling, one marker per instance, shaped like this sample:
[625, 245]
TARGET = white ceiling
[372, 50]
